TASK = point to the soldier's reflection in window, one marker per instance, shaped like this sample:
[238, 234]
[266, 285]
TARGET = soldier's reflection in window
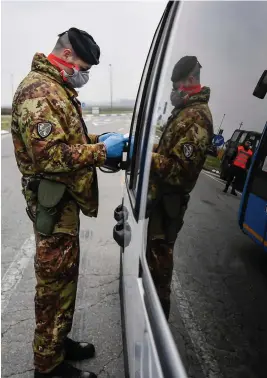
[177, 161]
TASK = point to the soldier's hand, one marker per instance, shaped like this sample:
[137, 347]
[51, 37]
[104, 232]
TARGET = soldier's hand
[104, 136]
[115, 144]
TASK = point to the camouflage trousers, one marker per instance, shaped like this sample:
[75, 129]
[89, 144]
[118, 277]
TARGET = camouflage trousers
[56, 268]
[160, 246]
[160, 262]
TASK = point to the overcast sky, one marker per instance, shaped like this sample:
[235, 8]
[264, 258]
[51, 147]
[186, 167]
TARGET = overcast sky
[229, 38]
[123, 30]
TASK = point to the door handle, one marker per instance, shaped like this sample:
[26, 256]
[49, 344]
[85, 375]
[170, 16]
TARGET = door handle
[121, 213]
[122, 233]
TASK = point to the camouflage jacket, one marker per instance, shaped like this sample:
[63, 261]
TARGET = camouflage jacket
[50, 137]
[181, 152]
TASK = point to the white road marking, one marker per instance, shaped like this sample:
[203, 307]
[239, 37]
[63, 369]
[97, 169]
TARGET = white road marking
[122, 128]
[218, 180]
[212, 176]
[203, 351]
[212, 173]
[15, 271]
[94, 123]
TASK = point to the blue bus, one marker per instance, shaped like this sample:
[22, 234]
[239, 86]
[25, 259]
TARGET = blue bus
[253, 206]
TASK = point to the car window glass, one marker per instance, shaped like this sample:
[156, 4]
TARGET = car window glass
[235, 136]
[195, 249]
[243, 137]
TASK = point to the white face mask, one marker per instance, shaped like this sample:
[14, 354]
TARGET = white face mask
[78, 79]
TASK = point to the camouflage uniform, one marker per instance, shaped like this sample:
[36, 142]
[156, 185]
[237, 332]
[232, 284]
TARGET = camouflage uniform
[176, 164]
[51, 140]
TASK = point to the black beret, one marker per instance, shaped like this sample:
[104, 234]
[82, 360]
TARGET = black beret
[83, 45]
[183, 68]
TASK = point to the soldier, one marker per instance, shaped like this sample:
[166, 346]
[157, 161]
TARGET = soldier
[176, 163]
[239, 164]
[58, 159]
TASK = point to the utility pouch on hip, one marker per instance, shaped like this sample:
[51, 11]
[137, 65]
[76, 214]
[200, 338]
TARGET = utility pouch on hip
[50, 195]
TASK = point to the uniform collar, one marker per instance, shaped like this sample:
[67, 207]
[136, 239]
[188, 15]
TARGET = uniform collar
[41, 64]
[201, 97]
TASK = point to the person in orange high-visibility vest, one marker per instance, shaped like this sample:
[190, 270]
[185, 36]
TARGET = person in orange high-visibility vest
[240, 163]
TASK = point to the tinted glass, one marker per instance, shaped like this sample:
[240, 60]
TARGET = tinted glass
[235, 136]
[216, 274]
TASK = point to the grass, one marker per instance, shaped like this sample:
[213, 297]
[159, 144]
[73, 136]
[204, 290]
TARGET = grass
[159, 131]
[212, 163]
[109, 111]
[5, 122]
[115, 111]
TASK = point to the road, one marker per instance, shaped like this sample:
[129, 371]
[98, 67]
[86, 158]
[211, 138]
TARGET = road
[219, 286]
[97, 316]
[219, 310]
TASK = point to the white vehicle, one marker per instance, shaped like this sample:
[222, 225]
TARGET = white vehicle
[149, 349]
[212, 32]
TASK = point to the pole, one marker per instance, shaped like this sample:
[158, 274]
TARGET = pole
[240, 125]
[221, 123]
[110, 71]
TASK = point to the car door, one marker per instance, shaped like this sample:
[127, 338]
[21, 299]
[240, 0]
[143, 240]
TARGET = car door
[149, 347]
[185, 29]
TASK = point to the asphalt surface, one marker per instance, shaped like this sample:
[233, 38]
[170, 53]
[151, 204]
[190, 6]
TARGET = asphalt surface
[218, 311]
[97, 315]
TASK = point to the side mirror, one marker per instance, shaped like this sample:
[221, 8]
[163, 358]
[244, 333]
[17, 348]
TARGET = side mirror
[261, 88]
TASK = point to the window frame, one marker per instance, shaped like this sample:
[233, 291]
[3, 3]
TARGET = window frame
[144, 106]
[258, 179]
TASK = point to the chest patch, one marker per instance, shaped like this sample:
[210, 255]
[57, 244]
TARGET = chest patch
[44, 129]
[188, 150]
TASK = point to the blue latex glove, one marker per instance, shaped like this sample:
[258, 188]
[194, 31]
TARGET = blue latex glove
[114, 145]
[102, 138]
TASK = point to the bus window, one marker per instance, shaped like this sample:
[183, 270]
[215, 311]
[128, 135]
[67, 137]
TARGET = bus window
[258, 184]
[243, 137]
[235, 136]
[254, 202]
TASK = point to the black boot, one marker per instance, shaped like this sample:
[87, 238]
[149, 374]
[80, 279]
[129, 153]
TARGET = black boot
[75, 351]
[233, 192]
[65, 370]
[226, 188]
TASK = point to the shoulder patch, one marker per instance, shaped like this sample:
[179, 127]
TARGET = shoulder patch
[188, 150]
[44, 129]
